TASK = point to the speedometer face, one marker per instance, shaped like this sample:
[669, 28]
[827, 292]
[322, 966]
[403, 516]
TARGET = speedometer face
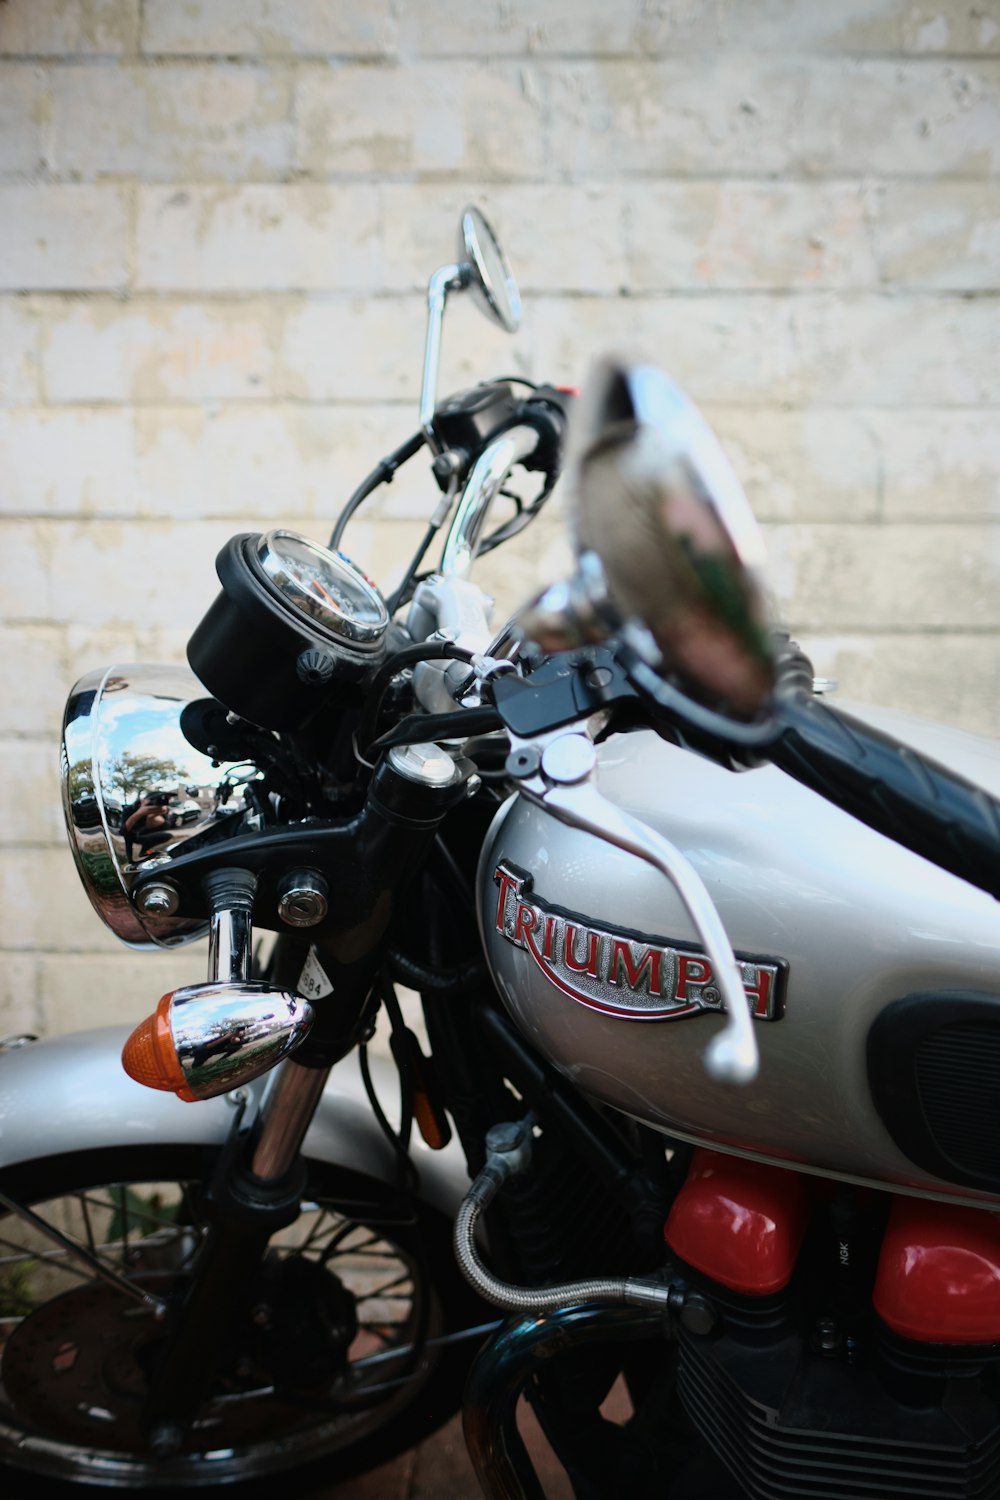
[325, 586]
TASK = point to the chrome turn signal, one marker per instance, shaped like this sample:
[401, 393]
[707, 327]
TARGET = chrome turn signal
[205, 1039]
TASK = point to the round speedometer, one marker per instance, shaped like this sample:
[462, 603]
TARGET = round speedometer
[323, 585]
[295, 625]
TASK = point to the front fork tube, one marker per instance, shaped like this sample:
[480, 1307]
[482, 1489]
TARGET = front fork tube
[256, 1191]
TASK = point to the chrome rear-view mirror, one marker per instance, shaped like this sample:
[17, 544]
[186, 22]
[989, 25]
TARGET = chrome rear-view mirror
[482, 268]
[670, 557]
[491, 280]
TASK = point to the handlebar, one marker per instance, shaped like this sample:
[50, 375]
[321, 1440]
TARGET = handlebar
[892, 788]
[488, 474]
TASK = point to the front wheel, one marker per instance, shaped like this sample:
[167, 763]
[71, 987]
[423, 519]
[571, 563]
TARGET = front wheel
[342, 1361]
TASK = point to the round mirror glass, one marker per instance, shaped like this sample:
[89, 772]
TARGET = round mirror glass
[657, 501]
[669, 555]
[492, 279]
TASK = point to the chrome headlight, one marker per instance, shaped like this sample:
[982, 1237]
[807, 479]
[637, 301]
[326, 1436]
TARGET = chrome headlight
[137, 788]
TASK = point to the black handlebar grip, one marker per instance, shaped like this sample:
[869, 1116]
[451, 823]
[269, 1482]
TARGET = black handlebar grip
[891, 787]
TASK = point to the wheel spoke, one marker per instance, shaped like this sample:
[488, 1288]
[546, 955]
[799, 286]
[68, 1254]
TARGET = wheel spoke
[85, 1212]
[74, 1249]
[139, 1237]
[381, 1291]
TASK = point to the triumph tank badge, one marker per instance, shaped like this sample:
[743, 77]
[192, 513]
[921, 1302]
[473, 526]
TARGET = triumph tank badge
[621, 973]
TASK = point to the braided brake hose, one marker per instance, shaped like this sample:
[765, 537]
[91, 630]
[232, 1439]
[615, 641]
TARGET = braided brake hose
[508, 1152]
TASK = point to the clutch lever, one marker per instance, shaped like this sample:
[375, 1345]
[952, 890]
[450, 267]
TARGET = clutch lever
[556, 772]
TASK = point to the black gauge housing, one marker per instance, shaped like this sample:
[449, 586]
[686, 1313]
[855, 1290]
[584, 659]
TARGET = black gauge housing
[261, 654]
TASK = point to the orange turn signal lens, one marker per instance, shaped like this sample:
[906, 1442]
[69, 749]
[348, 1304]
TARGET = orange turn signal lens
[149, 1055]
[206, 1039]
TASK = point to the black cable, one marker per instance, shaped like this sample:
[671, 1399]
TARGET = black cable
[408, 1172]
[381, 474]
[406, 657]
[399, 1052]
[460, 884]
[517, 523]
[414, 729]
[400, 595]
[418, 976]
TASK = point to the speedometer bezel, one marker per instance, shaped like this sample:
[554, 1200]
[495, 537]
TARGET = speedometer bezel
[268, 660]
[337, 626]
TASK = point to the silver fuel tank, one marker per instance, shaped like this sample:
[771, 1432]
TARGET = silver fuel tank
[875, 976]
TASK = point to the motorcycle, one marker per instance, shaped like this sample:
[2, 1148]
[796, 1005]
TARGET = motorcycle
[709, 977]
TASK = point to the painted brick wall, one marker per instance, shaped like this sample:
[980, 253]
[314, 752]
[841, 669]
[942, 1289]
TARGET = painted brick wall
[216, 219]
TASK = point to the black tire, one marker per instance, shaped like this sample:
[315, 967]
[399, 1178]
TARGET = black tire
[40, 1443]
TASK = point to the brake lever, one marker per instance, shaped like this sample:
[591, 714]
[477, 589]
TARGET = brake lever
[556, 773]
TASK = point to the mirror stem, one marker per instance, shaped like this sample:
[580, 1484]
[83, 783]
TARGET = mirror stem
[444, 280]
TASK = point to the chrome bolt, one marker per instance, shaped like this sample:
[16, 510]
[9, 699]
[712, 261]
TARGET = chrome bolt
[828, 1338]
[161, 899]
[302, 898]
[697, 1314]
[472, 785]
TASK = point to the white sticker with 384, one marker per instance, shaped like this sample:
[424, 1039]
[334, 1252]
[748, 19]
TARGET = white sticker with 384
[314, 981]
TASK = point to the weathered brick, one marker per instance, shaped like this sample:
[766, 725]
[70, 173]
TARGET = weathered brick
[871, 351]
[853, 578]
[557, 237]
[428, 28]
[111, 985]
[88, 647]
[916, 119]
[33, 679]
[748, 235]
[803, 465]
[62, 28]
[112, 574]
[939, 677]
[748, 115]
[805, 350]
[267, 27]
[373, 350]
[34, 814]
[67, 461]
[789, 26]
[940, 234]
[110, 351]
[563, 27]
[25, 559]
[172, 123]
[719, 348]
[44, 904]
[367, 350]
[18, 352]
[483, 120]
[258, 237]
[25, 109]
[241, 461]
[939, 465]
[69, 238]
[19, 1009]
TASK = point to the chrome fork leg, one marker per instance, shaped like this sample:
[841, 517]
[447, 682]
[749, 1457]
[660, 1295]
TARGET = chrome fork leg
[286, 1114]
[249, 1202]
